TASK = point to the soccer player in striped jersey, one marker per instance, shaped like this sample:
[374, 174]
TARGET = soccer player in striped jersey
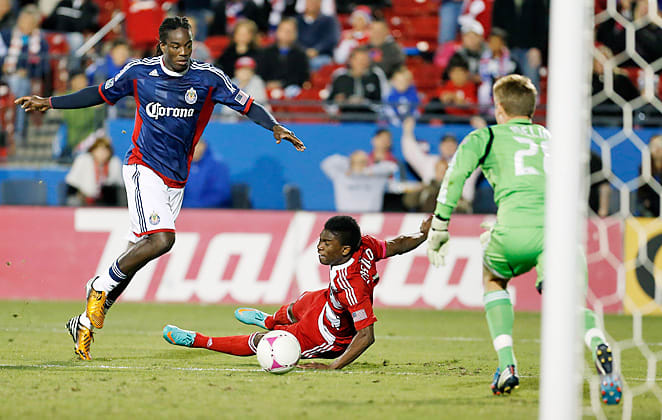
[175, 97]
[333, 323]
[512, 156]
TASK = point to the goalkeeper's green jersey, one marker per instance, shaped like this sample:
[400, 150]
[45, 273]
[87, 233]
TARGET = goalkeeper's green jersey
[512, 158]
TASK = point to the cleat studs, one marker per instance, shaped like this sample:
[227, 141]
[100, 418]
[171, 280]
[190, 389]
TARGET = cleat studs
[618, 399]
[604, 401]
[612, 384]
[602, 360]
[604, 392]
[611, 394]
[609, 358]
[516, 386]
[618, 389]
[506, 389]
[599, 352]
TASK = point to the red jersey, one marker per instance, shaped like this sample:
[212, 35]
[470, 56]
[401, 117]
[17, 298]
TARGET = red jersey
[349, 305]
[468, 92]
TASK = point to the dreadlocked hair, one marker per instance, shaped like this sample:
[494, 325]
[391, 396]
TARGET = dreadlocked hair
[170, 24]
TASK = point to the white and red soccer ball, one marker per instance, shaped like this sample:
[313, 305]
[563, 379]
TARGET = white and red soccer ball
[278, 352]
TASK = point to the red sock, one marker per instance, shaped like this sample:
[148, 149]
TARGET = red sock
[279, 318]
[236, 345]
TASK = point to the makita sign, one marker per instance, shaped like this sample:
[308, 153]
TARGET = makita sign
[227, 256]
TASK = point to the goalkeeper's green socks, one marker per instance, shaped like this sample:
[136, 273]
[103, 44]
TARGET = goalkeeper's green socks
[593, 336]
[500, 319]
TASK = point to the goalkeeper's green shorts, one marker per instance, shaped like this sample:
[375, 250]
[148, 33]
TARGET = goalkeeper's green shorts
[512, 251]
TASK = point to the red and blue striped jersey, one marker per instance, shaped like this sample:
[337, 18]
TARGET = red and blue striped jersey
[172, 111]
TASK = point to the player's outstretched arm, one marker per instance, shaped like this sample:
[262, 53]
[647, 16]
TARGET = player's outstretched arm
[360, 343]
[84, 98]
[405, 243]
[260, 116]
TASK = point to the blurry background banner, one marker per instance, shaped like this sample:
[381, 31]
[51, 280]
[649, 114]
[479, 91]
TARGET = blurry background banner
[643, 262]
[257, 257]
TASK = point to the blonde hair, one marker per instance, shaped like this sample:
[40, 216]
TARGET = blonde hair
[516, 94]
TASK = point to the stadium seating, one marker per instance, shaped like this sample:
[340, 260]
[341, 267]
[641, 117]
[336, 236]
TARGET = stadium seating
[27, 192]
[292, 195]
[241, 196]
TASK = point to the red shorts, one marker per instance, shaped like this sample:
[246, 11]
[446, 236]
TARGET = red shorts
[316, 340]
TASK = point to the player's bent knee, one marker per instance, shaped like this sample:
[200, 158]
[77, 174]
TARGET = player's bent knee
[257, 338]
[163, 241]
[491, 282]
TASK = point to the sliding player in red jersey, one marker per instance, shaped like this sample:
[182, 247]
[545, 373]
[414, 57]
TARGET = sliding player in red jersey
[333, 323]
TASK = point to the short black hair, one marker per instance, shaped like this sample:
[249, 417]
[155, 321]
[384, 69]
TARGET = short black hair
[170, 24]
[448, 137]
[346, 229]
[381, 130]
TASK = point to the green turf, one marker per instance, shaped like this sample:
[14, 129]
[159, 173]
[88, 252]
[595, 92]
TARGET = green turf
[424, 364]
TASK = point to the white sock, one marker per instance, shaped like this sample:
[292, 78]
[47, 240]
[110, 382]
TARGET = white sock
[85, 321]
[104, 283]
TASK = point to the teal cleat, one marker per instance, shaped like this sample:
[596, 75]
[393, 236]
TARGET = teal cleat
[610, 382]
[504, 382]
[251, 316]
[177, 336]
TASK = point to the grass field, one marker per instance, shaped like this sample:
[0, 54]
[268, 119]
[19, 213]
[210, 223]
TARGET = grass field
[424, 364]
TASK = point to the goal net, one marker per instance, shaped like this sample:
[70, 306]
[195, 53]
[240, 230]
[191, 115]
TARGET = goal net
[625, 231]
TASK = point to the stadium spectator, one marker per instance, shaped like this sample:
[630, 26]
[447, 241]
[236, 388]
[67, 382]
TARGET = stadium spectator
[200, 11]
[382, 142]
[284, 64]
[358, 87]
[200, 50]
[78, 124]
[424, 163]
[384, 50]
[74, 17]
[449, 12]
[318, 33]
[599, 195]
[357, 36]
[357, 185]
[647, 38]
[95, 176]
[246, 79]
[402, 100]
[424, 199]
[108, 66]
[648, 197]
[458, 94]
[494, 63]
[24, 60]
[244, 43]
[208, 184]
[621, 85]
[470, 51]
[7, 17]
[527, 24]
[143, 18]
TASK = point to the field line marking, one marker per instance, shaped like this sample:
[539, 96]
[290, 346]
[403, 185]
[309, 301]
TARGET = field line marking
[194, 369]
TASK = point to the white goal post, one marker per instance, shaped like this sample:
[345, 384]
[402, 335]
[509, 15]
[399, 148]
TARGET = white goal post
[561, 365]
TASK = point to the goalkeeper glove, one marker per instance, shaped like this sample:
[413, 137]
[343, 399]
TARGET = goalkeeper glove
[438, 241]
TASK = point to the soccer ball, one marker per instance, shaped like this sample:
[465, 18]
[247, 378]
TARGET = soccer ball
[278, 352]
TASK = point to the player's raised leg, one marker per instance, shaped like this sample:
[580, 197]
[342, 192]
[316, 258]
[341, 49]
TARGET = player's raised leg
[286, 315]
[237, 345]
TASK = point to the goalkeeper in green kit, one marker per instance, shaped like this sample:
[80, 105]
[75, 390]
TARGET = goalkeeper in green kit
[511, 154]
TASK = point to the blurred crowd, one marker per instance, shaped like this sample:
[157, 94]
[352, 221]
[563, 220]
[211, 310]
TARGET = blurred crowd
[387, 61]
